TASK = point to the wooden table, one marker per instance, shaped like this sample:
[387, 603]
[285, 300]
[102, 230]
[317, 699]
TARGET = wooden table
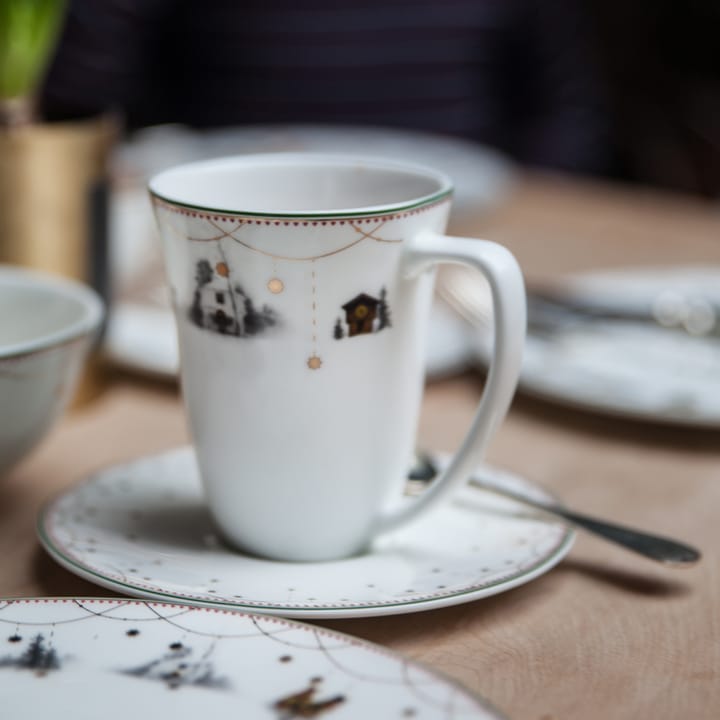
[605, 634]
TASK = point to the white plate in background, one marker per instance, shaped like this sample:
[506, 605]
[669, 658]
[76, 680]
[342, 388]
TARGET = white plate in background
[633, 370]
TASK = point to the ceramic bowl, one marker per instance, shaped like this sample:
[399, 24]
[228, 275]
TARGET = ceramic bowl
[47, 325]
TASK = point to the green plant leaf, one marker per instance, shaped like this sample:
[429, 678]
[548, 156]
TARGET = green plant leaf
[28, 31]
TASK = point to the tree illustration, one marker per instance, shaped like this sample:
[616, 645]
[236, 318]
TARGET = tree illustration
[338, 332]
[253, 323]
[38, 657]
[254, 320]
[203, 275]
[177, 668]
[383, 311]
[269, 317]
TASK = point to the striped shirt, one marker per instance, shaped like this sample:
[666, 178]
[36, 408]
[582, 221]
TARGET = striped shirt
[514, 74]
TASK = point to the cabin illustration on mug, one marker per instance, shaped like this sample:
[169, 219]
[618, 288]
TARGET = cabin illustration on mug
[360, 312]
[216, 311]
[364, 314]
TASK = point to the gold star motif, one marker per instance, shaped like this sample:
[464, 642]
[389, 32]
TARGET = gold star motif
[314, 362]
[275, 285]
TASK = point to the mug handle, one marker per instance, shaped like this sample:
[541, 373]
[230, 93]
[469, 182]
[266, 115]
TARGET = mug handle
[503, 273]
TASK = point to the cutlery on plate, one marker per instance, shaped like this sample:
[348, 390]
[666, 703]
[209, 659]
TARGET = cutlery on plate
[661, 549]
[552, 309]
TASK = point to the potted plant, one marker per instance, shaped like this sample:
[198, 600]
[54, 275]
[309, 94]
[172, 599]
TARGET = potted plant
[28, 31]
[53, 176]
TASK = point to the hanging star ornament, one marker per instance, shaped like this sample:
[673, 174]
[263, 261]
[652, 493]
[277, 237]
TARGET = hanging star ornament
[275, 285]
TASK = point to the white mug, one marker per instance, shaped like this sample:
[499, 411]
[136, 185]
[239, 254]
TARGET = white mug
[301, 285]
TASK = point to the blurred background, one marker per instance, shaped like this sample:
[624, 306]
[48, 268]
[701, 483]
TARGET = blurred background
[585, 122]
[584, 135]
[623, 90]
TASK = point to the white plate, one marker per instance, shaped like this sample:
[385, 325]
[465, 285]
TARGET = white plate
[143, 529]
[118, 659]
[141, 335]
[631, 370]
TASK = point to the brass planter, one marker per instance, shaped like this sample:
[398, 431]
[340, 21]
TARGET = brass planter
[53, 197]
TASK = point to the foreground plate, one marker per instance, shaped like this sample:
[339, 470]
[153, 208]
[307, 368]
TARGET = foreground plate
[118, 659]
[143, 529]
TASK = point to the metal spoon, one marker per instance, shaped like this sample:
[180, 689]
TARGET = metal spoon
[660, 549]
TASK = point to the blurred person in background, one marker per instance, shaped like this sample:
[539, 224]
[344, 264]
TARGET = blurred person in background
[518, 75]
[661, 66]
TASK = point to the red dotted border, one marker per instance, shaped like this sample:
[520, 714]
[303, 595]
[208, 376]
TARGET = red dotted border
[182, 606]
[280, 221]
[276, 620]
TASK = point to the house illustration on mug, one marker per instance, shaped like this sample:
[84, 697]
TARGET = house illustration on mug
[364, 314]
[217, 312]
[222, 306]
[360, 313]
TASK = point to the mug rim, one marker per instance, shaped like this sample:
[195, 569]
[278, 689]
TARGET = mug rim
[444, 191]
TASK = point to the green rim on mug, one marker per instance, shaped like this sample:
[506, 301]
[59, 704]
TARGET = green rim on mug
[444, 192]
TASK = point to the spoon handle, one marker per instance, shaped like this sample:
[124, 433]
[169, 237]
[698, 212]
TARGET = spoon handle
[657, 548]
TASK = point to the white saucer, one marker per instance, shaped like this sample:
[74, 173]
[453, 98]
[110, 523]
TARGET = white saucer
[117, 659]
[142, 529]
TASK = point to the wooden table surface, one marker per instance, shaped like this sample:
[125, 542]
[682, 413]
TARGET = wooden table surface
[605, 634]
